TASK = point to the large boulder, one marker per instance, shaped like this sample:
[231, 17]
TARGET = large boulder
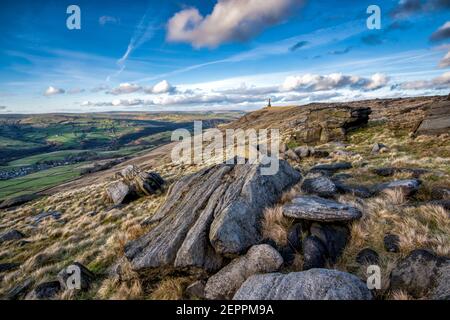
[132, 183]
[314, 284]
[318, 209]
[261, 258]
[437, 120]
[420, 273]
[208, 215]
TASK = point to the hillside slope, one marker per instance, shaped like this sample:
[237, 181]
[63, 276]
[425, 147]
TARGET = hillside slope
[77, 221]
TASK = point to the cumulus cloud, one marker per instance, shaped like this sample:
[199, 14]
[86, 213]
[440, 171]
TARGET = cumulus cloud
[441, 82]
[442, 33]
[161, 87]
[314, 82]
[125, 88]
[51, 91]
[230, 20]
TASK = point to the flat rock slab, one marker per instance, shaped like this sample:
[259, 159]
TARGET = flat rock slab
[408, 186]
[209, 215]
[318, 209]
[314, 284]
[332, 167]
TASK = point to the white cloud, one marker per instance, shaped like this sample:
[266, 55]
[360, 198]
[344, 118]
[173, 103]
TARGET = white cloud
[125, 88]
[230, 20]
[315, 82]
[51, 91]
[441, 82]
[161, 87]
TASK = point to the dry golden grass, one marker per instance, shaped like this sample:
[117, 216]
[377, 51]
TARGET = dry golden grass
[275, 225]
[170, 289]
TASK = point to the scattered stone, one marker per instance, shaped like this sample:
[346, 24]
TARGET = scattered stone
[86, 276]
[44, 291]
[208, 215]
[378, 147]
[368, 256]
[391, 243]
[196, 290]
[259, 259]
[291, 155]
[420, 273]
[8, 266]
[314, 284]
[333, 236]
[11, 236]
[294, 237]
[19, 290]
[332, 167]
[320, 154]
[390, 171]
[409, 186]
[341, 176]
[303, 152]
[314, 253]
[322, 186]
[319, 209]
[56, 215]
[17, 201]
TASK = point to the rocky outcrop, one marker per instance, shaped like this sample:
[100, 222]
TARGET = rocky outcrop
[132, 183]
[259, 259]
[314, 284]
[209, 215]
[318, 209]
[437, 120]
[331, 124]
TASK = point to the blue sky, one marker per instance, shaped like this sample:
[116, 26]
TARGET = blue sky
[217, 54]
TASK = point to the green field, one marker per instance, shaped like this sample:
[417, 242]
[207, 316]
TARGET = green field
[27, 140]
